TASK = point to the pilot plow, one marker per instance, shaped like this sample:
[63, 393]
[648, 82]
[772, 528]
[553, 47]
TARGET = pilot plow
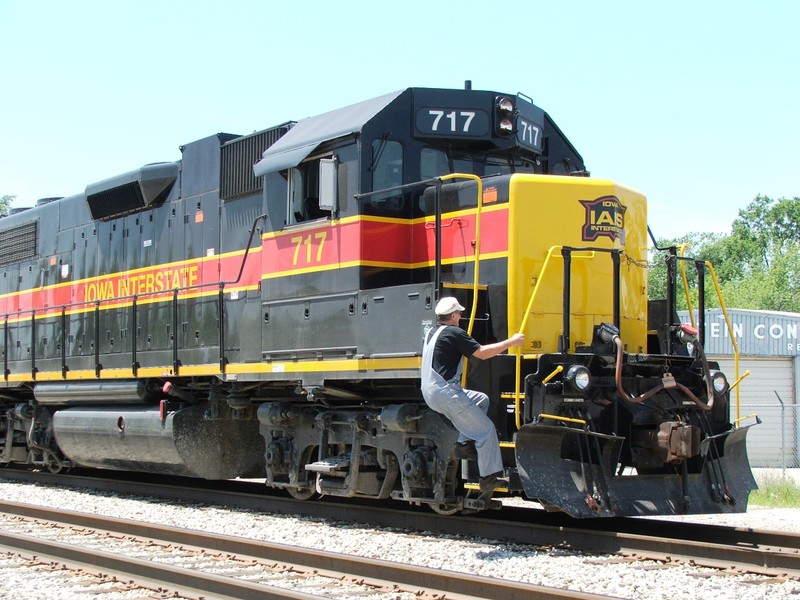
[572, 469]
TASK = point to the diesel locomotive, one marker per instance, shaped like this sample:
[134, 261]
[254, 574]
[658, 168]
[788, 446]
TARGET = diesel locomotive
[257, 309]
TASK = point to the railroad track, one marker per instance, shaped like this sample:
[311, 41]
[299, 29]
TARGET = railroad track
[766, 553]
[192, 564]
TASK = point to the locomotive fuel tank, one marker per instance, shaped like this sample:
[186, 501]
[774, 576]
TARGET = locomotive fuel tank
[135, 438]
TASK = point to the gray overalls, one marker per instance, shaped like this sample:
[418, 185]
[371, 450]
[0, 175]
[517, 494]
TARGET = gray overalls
[466, 409]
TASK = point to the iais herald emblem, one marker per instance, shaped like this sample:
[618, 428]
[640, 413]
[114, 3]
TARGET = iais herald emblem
[604, 216]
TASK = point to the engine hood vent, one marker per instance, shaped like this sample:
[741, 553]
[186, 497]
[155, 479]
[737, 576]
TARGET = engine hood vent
[132, 191]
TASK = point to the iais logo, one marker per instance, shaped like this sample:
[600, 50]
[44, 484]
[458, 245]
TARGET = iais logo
[604, 216]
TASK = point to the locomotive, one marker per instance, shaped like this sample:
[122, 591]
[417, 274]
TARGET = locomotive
[257, 309]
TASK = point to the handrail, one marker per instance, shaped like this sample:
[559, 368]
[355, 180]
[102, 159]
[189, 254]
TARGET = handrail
[683, 248]
[476, 255]
[518, 354]
[730, 329]
[133, 298]
[552, 251]
[477, 252]
[717, 288]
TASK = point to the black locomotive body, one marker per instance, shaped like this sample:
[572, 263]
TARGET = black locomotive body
[257, 309]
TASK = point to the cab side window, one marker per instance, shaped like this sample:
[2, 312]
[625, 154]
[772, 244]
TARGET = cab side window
[387, 172]
[303, 193]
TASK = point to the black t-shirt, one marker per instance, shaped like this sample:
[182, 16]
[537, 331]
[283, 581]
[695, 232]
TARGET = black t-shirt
[453, 344]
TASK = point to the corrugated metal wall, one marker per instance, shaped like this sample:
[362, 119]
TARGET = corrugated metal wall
[774, 443]
[769, 347]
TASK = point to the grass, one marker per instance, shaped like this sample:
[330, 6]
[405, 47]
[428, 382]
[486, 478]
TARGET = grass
[776, 492]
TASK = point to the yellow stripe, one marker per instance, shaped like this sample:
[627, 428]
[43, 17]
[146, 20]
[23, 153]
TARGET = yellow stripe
[376, 263]
[119, 274]
[105, 305]
[386, 220]
[212, 370]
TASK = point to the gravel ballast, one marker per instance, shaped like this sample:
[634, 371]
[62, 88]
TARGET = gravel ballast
[560, 568]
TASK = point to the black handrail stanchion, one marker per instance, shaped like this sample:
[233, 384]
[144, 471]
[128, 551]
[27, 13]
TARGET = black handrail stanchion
[33, 344]
[134, 337]
[175, 362]
[671, 260]
[566, 253]
[64, 368]
[97, 366]
[701, 301]
[615, 260]
[6, 372]
[221, 318]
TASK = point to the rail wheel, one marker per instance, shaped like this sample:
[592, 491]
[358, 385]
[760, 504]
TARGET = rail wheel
[301, 493]
[445, 509]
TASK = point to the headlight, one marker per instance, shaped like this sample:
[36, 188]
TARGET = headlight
[719, 382]
[505, 127]
[505, 106]
[578, 377]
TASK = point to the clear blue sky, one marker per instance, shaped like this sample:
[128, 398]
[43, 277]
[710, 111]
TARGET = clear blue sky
[696, 104]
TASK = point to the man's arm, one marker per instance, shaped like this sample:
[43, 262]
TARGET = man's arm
[490, 350]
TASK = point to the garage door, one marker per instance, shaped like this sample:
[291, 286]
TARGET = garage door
[775, 440]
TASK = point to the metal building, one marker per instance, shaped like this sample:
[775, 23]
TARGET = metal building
[769, 348]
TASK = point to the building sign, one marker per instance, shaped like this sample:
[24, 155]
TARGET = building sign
[757, 333]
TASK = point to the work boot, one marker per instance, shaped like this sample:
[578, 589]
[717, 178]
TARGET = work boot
[488, 485]
[466, 451]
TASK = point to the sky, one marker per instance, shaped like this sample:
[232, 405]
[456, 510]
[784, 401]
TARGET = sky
[695, 104]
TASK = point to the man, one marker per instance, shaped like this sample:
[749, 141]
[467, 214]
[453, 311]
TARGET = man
[444, 348]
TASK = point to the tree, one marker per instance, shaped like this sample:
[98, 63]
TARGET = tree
[758, 264]
[5, 204]
[698, 246]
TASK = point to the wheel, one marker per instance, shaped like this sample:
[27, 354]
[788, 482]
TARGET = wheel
[299, 493]
[445, 509]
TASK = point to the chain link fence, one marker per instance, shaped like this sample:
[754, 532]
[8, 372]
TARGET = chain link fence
[772, 444]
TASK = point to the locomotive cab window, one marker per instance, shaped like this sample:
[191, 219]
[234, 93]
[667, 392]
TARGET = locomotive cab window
[507, 164]
[434, 163]
[303, 192]
[387, 172]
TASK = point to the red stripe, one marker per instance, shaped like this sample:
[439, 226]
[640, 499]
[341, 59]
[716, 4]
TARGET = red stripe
[374, 241]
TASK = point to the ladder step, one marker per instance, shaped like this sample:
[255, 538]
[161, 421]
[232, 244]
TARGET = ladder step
[330, 464]
[464, 286]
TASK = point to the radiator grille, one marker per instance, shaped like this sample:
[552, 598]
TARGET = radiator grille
[19, 243]
[239, 156]
[116, 201]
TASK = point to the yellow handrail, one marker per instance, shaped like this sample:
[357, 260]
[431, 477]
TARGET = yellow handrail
[518, 353]
[730, 330]
[555, 372]
[565, 419]
[752, 416]
[738, 381]
[476, 256]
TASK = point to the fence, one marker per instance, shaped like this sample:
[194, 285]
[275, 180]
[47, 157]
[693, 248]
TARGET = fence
[772, 444]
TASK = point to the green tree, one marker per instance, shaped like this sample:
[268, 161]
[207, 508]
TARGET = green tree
[697, 246]
[5, 204]
[757, 265]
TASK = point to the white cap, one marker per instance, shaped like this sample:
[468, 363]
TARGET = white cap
[447, 305]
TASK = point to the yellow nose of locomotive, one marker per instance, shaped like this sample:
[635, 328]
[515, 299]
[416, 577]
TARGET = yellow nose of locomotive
[590, 217]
